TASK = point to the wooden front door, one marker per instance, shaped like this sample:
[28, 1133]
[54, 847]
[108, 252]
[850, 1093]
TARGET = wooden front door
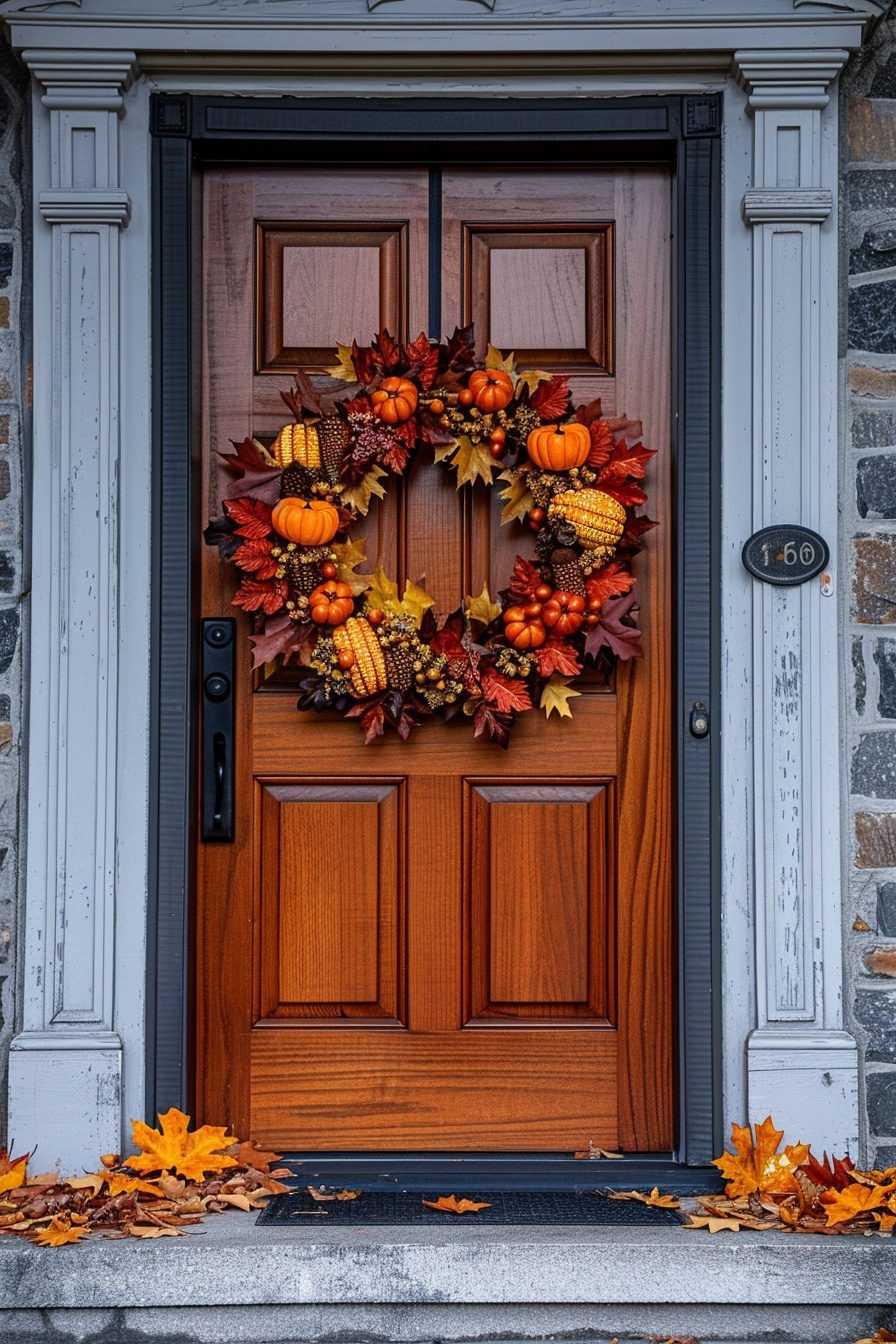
[439, 944]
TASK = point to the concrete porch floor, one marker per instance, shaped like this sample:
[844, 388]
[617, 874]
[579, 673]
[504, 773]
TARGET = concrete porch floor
[229, 1280]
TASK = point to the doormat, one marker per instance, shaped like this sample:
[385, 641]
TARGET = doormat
[513, 1208]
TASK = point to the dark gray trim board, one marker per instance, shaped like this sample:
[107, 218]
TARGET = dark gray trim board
[189, 131]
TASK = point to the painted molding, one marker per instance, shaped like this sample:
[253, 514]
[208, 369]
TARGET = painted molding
[801, 1065]
[69, 1056]
[782, 205]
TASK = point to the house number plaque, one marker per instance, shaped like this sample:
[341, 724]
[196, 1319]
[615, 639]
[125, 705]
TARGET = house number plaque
[785, 554]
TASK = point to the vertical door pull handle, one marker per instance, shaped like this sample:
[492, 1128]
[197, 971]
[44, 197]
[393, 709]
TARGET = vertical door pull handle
[218, 724]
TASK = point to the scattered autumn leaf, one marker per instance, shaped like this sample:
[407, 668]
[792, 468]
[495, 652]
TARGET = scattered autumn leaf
[451, 1204]
[759, 1165]
[842, 1206]
[717, 1224]
[655, 1200]
[323, 1195]
[61, 1232]
[150, 1231]
[173, 1148]
[594, 1153]
[12, 1170]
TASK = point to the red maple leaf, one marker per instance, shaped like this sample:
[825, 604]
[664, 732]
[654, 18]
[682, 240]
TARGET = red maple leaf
[830, 1176]
[395, 457]
[551, 398]
[255, 557]
[601, 443]
[635, 527]
[254, 596]
[628, 493]
[613, 633]
[423, 360]
[448, 639]
[254, 475]
[524, 580]
[590, 411]
[252, 516]
[625, 463]
[487, 719]
[508, 695]
[557, 656]
[302, 396]
[373, 718]
[458, 351]
[611, 581]
[386, 349]
[367, 365]
[281, 638]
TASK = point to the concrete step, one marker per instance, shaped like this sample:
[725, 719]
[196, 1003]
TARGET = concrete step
[229, 1281]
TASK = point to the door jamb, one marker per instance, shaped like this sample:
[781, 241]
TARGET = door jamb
[190, 130]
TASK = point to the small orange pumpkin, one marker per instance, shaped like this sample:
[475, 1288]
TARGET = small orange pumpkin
[559, 447]
[522, 630]
[394, 400]
[331, 603]
[309, 522]
[564, 612]
[492, 389]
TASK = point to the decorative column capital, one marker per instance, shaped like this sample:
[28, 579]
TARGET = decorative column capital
[788, 79]
[81, 79]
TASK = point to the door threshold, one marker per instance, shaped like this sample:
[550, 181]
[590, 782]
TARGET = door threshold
[499, 1171]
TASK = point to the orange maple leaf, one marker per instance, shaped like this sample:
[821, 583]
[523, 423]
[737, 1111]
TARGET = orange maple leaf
[59, 1233]
[759, 1166]
[654, 1200]
[173, 1148]
[451, 1204]
[12, 1170]
[842, 1206]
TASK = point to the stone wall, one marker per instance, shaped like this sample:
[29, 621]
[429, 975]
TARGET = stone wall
[869, 542]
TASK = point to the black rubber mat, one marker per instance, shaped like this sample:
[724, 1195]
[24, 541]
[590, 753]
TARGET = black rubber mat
[509, 1207]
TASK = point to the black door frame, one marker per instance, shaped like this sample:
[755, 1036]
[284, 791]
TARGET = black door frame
[190, 131]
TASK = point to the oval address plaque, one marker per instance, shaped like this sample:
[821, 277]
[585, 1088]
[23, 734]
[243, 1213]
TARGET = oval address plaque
[785, 554]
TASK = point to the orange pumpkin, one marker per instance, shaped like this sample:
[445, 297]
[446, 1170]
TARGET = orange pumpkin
[492, 389]
[522, 630]
[559, 447]
[309, 522]
[394, 400]
[331, 603]
[564, 612]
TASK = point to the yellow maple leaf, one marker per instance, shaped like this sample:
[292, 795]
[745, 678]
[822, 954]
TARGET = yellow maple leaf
[759, 1166]
[532, 377]
[359, 497]
[472, 462]
[451, 1204]
[654, 1200]
[415, 600]
[482, 608]
[349, 555]
[60, 1232]
[382, 595]
[517, 497]
[12, 1170]
[495, 360]
[173, 1148]
[556, 694]
[345, 369]
[842, 1206]
[119, 1184]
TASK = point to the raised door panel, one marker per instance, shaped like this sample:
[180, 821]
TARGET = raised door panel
[540, 883]
[331, 889]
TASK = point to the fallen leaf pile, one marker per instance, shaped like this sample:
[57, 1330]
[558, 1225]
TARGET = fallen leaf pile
[791, 1191]
[175, 1179]
[881, 1336]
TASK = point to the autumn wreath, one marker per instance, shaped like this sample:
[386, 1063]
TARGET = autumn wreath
[383, 656]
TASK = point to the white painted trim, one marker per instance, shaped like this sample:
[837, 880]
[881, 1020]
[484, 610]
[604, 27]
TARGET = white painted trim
[546, 49]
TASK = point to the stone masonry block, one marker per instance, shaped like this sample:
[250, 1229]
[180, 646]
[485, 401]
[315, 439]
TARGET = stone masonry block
[872, 317]
[872, 189]
[866, 381]
[881, 961]
[871, 130]
[882, 1102]
[860, 679]
[874, 587]
[7, 256]
[875, 839]
[885, 658]
[873, 429]
[874, 765]
[877, 249]
[886, 909]
[876, 486]
[875, 1010]
[9, 636]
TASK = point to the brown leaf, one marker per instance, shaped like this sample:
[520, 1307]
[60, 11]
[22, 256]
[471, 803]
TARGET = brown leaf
[451, 1204]
[148, 1231]
[654, 1200]
[322, 1195]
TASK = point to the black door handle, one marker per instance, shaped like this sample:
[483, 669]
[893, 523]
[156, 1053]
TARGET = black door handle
[218, 646]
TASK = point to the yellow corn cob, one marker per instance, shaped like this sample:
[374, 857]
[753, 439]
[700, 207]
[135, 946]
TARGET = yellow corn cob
[368, 672]
[297, 443]
[599, 520]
